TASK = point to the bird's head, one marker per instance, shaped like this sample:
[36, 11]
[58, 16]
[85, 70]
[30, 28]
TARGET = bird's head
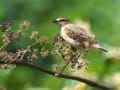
[61, 21]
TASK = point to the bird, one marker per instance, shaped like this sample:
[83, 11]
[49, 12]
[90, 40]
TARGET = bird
[77, 36]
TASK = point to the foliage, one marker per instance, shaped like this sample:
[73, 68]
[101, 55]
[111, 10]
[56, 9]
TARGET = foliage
[103, 17]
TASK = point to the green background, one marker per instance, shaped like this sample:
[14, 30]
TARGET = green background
[103, 16]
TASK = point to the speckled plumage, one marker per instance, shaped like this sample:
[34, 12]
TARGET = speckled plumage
[76, 35]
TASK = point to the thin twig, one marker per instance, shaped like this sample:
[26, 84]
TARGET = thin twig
[88, 82]
[63, 68]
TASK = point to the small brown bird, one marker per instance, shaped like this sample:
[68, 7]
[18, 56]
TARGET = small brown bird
[76, 36]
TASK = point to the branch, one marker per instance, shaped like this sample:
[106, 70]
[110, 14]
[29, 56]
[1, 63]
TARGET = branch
[88, 82]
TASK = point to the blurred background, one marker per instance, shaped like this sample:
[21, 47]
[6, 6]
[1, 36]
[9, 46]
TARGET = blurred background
[103, 17]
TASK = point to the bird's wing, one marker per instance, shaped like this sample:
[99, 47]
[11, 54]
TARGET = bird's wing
[76, 33]
[79, 35]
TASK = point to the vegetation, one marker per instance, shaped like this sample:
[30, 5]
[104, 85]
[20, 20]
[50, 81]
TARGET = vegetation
[27, 39]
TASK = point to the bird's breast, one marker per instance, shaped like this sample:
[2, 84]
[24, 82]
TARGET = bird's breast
[67, 38]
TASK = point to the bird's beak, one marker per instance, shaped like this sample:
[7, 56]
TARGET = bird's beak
[54, 21]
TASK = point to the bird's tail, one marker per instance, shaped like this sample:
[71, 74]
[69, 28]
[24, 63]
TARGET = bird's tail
[97, 46]
[103, 49]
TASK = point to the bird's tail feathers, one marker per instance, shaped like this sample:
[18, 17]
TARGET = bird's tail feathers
[97, 46]
[103, 49]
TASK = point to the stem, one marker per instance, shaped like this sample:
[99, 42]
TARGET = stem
[88, 82]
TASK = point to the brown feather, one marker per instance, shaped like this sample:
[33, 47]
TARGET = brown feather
[79, 35]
